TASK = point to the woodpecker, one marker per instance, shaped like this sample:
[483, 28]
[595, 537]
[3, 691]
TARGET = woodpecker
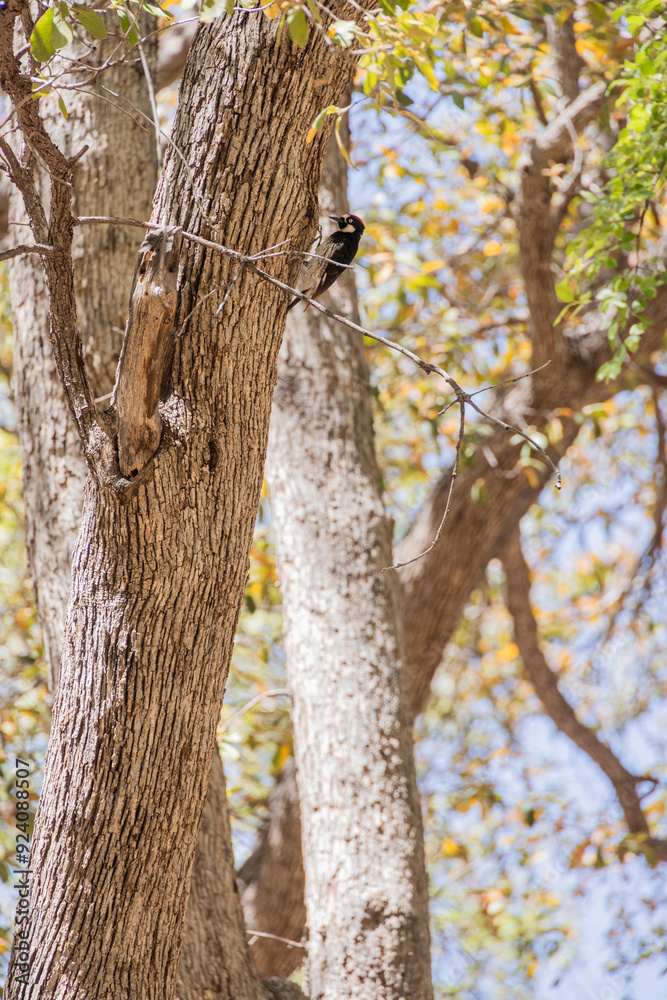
[341, 246]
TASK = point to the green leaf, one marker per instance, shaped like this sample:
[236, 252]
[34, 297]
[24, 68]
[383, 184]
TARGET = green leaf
[298, 26]
[403, 98]
[564, 292]
[609, 370]
[127, 26]
[90, 20]
[157, 11]
[458, 101]
[61, 29]
[63, 108]
[40, 39]
[50, 33]
[319, 121]
[341, 145]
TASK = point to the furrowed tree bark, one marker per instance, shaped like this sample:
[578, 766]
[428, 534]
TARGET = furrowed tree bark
[215, 961]
[158, 575]
[366, 892]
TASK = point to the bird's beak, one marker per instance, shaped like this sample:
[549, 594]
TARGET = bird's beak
[334, 218]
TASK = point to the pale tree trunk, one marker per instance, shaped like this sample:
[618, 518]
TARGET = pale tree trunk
[159, 572]
[117, 176]
[366, 890]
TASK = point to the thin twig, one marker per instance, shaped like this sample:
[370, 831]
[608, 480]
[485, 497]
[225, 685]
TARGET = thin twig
[455, 471]
[151, 95]
[239, 271]
[498, 385]
[196, 307]
[253, 701]
[425, 366]
[26, 248]
[274, 937]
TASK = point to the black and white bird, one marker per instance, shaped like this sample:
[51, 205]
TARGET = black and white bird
[341, 247]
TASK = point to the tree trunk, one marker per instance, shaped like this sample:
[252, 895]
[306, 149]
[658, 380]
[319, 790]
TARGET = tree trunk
[366, 890]
[272, 881]
[215, 964]
[158, 574]
[106, 182]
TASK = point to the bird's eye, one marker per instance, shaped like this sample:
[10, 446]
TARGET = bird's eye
[350, 220]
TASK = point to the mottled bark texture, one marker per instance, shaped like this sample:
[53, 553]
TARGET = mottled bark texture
[366, 893]
[117, 176]
[158, 576]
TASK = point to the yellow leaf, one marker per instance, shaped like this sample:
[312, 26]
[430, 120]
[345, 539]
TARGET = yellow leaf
[272, 11]
[450, 848]
[341, 145]
[508, 652]
[493, 248]
[312, 132]
[531, 476]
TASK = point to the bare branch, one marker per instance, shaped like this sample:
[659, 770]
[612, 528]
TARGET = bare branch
[26, 248]
[558, 708]
[429, 369]
[273, 693]
[555, 142]
[274, 937]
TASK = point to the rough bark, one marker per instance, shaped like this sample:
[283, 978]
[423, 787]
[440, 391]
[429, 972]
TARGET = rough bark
[158, 575]
[216, 966]
[272, 881]
[53, 466]
[366, 891]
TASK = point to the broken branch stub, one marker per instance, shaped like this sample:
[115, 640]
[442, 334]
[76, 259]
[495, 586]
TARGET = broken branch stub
[145, 361]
